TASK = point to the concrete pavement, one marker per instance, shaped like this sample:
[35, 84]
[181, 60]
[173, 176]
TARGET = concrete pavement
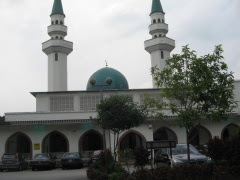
[56, 174]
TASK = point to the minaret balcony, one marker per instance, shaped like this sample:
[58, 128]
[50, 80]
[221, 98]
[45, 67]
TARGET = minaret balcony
[57, 29]
[161, 43]
[158, 27]
[56, 45]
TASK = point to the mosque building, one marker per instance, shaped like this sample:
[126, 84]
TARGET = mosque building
[62, 120]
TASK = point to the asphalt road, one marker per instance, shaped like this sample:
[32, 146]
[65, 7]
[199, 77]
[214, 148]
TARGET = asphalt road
[56, 174]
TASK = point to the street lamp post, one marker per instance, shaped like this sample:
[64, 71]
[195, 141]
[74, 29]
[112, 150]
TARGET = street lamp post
[108, 83]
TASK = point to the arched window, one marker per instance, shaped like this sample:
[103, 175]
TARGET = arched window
[160, 35]
[56, 57]
[61, 37]
[91, 141]
[61, 22]
[56, 21]
[162, 54]
[131, 140]
[165, 133]
[56, 37]
[55, 142]
[52, 22]
[159, 20]
[199, 135]
[163, 21]
[154, 21]
[230, 131]
[19, 143]
[155, 36]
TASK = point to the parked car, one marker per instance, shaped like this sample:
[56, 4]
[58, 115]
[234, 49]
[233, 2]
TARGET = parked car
[71, 160]
[43, 161]
[180, 157]
[13, 161]
[95, 156]
[86, 156]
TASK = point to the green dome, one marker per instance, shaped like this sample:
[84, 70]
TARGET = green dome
[119, 82]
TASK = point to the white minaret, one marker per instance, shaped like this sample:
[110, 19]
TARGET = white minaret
[57, 50]
[159, 46]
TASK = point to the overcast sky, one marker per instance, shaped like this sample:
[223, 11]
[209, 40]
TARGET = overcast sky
[105, 30]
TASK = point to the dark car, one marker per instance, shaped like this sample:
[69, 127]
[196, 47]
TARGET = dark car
[43, 161]
[13, 161]
[71, 160]
[179, 156]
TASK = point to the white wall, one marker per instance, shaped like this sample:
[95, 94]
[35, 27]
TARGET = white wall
[37, 134]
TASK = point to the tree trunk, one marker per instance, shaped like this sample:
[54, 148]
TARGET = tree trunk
[188, 146]
[114, 147]
[104, 139]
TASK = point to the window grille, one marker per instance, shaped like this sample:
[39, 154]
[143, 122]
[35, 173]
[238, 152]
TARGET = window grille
[61, 103]
[143, 96]
[89, 102]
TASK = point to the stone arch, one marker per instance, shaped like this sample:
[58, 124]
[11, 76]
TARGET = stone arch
[229, 131]
[165, 133]
[199, 135]
[154, 21]
[91, 140]
[55, 142]
[131, 140]
[19, 143]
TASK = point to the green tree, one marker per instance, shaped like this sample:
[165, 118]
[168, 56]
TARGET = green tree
[197, 87]
[119, 113]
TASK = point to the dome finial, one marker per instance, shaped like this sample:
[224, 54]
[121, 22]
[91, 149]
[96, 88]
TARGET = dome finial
[106, 63]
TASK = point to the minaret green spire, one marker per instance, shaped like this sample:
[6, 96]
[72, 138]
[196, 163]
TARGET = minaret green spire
[156, 6]
[57, 7]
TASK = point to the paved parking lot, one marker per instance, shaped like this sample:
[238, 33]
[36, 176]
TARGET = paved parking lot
[56, 174]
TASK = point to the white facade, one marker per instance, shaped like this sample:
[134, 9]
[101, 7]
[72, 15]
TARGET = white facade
[67, 114]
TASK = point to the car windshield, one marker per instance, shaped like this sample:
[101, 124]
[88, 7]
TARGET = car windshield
[9, 156]
[182, 149]
[71, 155]
[41, 156]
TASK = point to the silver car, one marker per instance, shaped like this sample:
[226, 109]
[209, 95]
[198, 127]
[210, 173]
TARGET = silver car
[180, 157]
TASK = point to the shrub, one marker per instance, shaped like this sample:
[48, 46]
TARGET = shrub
[117, 176]
[141, 157]
[216, 149]
[105, 167]
[227, 151]
[193, 172]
